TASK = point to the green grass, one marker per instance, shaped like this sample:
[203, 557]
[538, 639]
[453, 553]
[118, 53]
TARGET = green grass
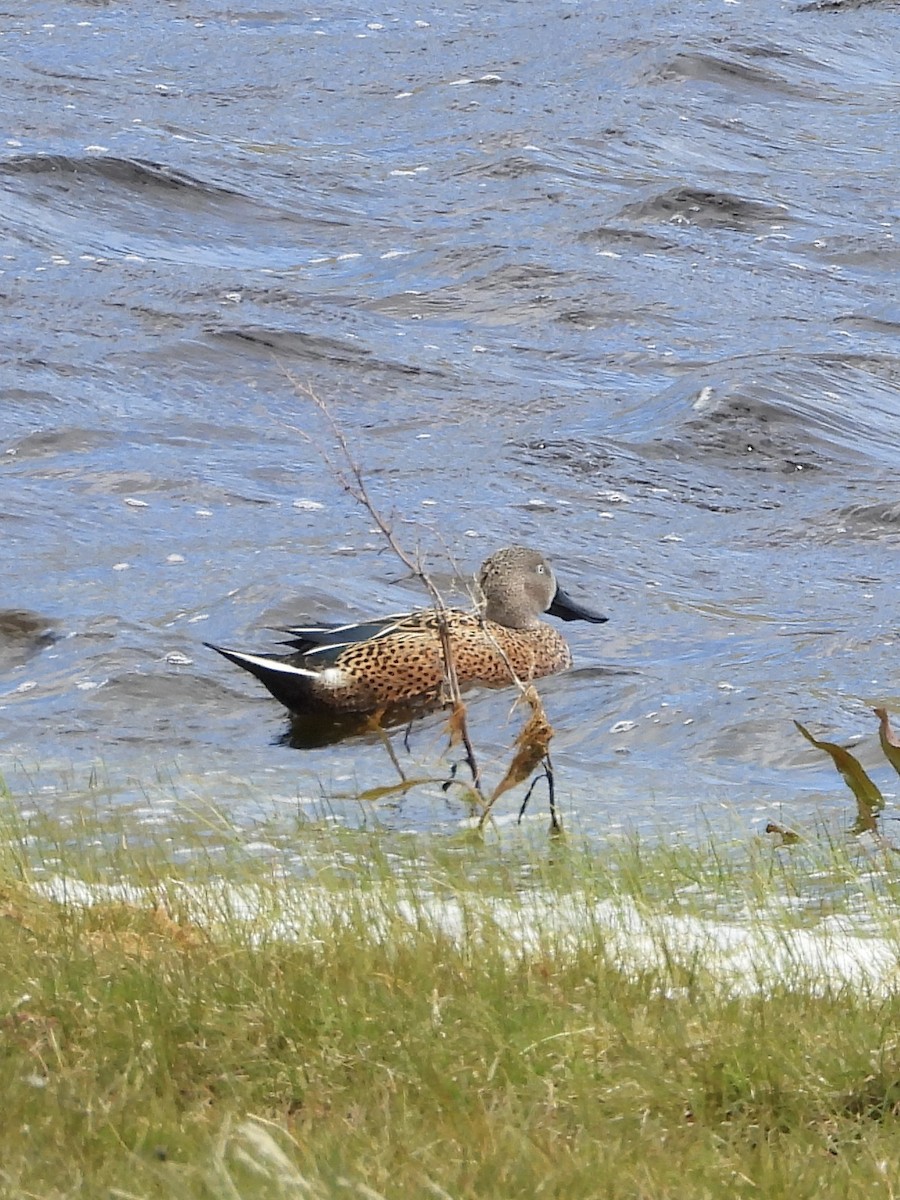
[360, 1015]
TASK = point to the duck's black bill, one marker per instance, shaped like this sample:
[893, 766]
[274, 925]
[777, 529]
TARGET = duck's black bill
[567, 609]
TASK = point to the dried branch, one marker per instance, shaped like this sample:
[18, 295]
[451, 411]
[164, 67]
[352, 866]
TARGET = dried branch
[349, 475]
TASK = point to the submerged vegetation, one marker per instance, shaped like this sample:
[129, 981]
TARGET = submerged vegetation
[320, 1012]
[869, 798]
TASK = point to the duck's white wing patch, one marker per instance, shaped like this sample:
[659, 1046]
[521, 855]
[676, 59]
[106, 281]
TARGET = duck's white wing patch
[260, 665]
[269, 664]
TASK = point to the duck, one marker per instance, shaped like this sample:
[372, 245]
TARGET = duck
[371, 666]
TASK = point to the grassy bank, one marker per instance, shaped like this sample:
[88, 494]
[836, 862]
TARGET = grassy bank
[401, 1018]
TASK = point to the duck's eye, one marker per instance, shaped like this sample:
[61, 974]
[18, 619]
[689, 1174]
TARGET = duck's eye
[540, 569]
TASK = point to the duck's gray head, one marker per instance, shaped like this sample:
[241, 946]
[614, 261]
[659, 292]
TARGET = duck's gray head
[518, 585]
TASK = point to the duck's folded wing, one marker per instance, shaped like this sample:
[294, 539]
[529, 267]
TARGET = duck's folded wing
[328, 641]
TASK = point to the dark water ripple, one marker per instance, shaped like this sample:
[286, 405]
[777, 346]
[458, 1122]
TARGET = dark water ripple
[621, 282]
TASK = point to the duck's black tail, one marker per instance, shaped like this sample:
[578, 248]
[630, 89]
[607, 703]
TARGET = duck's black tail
[288, 683]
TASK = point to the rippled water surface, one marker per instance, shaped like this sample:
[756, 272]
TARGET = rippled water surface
[616, 281]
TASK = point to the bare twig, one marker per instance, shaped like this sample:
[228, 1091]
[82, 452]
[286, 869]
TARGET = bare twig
[348, 474]
[374, 724]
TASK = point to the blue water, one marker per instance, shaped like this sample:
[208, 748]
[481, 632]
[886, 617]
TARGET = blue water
[617, 282]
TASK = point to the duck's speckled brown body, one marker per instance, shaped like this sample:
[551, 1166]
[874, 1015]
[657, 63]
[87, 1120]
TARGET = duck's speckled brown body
[399, 660]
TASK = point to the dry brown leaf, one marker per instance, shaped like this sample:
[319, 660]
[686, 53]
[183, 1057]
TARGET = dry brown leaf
[456, 723]
[139, 932]
[889, 743]
[372, 795]
[532, 746]
[788, 837]
[176, 929]
[869, 799]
